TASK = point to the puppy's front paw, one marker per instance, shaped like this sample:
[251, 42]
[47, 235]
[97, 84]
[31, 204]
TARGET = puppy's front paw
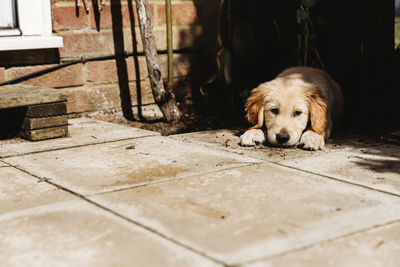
[310, 140]
[252, 137]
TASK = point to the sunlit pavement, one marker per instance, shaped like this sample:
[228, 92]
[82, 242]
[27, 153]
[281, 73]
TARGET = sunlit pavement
[111, 195]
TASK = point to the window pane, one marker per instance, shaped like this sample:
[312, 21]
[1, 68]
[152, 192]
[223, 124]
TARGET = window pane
[7, 14]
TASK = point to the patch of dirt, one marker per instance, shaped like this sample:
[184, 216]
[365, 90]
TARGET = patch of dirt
[196, 117]
[190, 123]
[205, 118]
[392, 137]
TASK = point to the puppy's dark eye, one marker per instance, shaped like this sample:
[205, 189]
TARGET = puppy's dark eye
[275, 111]
[296, 113]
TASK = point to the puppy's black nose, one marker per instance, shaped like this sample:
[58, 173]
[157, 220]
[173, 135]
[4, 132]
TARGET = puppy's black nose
[282, 137]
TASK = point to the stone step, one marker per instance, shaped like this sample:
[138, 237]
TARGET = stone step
[40, 112]
[46, 110]
[44, 122]
[46, 133]
[12, 96]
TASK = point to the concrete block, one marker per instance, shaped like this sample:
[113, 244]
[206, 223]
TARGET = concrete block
[44, 122]
[46, 133]
[46, 110]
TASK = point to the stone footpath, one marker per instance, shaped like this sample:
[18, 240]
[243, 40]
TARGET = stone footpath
[110, 195]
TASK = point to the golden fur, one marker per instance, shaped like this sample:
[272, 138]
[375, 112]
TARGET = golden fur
[298, 107]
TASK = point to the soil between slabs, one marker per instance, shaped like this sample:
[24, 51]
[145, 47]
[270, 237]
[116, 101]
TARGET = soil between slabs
[206, 122]
[190, 123]
[200, 116]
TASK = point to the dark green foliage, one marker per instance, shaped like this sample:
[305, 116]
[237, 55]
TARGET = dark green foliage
[309, 30]
[251, 42]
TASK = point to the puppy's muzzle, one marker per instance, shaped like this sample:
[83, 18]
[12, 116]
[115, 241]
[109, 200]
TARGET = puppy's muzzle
[282, 137]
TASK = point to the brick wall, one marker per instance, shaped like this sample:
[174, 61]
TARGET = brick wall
[97, 85]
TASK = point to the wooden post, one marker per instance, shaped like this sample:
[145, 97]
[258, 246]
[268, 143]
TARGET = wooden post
[165, 99]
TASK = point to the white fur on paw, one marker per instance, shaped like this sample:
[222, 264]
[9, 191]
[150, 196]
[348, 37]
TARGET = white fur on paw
[310, 140]
[252, 137]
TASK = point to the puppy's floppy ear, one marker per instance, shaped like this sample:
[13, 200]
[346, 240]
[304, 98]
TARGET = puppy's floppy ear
[318, 106]
[255, 105]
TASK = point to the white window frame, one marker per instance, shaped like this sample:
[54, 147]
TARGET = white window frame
[34, 28]
[7, 16]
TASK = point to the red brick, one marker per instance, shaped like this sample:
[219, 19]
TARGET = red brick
[183, 37]
[145, 92]
[101, 72]
[64, 77]
[84, 99]
[67, 18]
[128, 40]
[87, 44]
[106, 71]
[182, 13]
[102, 43]
[105, 17]
[182, 65]
[53, 2]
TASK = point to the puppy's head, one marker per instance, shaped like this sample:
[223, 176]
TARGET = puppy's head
[287, 108]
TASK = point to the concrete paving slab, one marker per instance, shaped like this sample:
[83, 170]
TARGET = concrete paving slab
[229, 140]
[376, 167]
[82, 132]
[111, 166]
[252, 212]
[19, 190]
[75, 233]
[375, 248]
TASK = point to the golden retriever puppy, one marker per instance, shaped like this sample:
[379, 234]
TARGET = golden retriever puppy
[298, 107]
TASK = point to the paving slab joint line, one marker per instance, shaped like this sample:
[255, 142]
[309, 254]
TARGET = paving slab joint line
[329, 240]
[310, 172]
[76, 146]
[154, 231]
[5, 163]
[338, 179]
[173, 179]
[202, 253]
